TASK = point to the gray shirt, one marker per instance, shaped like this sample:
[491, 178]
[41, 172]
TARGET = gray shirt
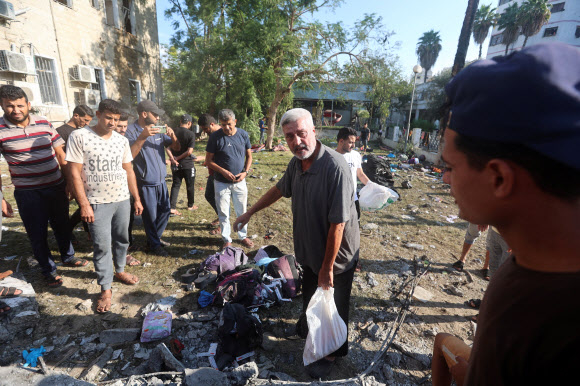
[320, 196]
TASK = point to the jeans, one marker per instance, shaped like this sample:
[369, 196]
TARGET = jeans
[178, 175]
[38, 208]
[110, 233]
[342, 289]
[239, 194]
[262, 136]
[210, 193]
[156, 210]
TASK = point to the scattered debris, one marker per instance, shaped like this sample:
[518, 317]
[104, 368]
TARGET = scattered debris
[418, 247]
[407, 185]
[370, 226]
[422, 295]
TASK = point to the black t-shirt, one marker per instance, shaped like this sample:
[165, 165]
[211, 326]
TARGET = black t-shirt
[186, 139]
[364, 134]
[64, 131]
[229, 151]
[528, 329]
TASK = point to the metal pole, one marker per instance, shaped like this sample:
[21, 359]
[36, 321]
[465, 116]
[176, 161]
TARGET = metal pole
[410, 111]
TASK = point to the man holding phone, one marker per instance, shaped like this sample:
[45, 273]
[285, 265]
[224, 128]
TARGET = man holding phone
[148, 150]
[229, 154]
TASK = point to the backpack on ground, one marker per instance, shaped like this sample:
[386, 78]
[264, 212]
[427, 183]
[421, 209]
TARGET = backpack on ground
[217, 264]
[242, 287]
[288, 269]
[378, 170]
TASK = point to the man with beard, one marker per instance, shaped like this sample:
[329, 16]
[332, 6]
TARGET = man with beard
[100, 166]
[325, 227]
[82, 116]
[517, 168]
[34, 150]
[148, 151]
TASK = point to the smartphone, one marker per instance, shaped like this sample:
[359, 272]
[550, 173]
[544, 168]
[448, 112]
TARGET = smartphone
[162, 129]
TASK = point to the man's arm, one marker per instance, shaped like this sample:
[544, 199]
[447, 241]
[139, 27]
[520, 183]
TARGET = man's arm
[172, 159]
[6, 207]
[362, 176]
[87, 214]
[271, 196]
[185, 154]
[132, 181]
[247, 164]
[140, 141]
[60, 156]
[64, 167]
[333, 241]
[175, 145]
[213, 166]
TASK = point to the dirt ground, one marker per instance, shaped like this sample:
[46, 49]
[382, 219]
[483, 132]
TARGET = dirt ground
[421, 216]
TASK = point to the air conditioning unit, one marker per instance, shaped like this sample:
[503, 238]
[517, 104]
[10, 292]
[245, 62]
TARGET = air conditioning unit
[82, 73]
[6, 10]
[93, 98]
[32, 91]
[16, 62]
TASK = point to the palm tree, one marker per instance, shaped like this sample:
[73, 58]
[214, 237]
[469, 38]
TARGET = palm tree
[463, 43]
[485, 18]
[428, 49]
[508, 21]
[533, 14]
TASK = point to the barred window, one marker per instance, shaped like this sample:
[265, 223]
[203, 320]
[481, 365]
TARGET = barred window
[550, 32]
[496, 39]
[558, 7]
[46, 72]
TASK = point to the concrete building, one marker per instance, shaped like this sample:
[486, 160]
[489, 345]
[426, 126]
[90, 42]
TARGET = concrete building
[70, 52]
[563, 26]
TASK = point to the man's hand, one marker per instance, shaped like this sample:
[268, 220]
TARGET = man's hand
[170, 132]
[459, 371]
[325, 278]
[174, 162]
[87, 214]
[7, 209]
[242, 221]
[138, 208]
[228, 176]
[241, 176]
[148, 132]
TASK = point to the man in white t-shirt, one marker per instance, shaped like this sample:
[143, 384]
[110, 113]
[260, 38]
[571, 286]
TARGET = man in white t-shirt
[346, 139]
[103, 178]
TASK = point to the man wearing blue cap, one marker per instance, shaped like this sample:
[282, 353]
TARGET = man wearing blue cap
[517, 168]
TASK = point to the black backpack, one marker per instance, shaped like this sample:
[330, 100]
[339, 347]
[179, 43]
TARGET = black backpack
[288, 268]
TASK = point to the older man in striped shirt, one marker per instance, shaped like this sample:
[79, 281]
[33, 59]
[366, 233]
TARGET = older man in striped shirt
[34, 150]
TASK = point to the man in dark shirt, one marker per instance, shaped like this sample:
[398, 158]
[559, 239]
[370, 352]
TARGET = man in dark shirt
[229, 155]
[209, 125]
[182, 164]
[82, 116]
[365, 136]
[326, 233]
[518, 170]
[262, 125]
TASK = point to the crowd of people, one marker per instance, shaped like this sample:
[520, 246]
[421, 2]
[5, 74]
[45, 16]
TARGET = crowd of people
[514, 169]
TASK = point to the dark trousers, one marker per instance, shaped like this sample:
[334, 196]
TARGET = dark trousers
[38, 208]
[210, 193]
[131, 219]
[357, 205]
[156, 210]
[178, 176]
[342, 288]
[262, 139]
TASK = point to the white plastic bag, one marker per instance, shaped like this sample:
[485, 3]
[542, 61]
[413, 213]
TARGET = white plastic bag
[326, 329]
[374, 196]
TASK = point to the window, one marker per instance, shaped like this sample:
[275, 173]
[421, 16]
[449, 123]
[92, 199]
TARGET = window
[128, 14]
[577, 32]
[112, 12]
[558, 7]
[95, 4]
[496, 39]
[135, 91]
[502, 2]
[46, 72]
[68, 3]
[550, 32]
[100, 84]
[151, 96]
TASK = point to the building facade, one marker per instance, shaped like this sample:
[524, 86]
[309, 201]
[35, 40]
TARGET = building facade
[69, 52]
[563, 26]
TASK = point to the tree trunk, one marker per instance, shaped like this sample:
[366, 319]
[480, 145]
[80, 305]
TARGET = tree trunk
[525, 41]
[271, 116]
[507, 46]
[480, 48]
[464, 37]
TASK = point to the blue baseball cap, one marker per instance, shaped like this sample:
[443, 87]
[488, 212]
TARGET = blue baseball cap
[530, 97]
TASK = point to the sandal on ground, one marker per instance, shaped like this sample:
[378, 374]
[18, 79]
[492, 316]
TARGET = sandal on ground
[215, 231]
[194, 207]
[53, 280]
[9, 292]
[485, 273]
[131, 261]
[358, 267]
[215, 223]
[104, 302]
[474, 303]
[5, 309]
[458, 265]
[75, 262]
[174, 212]
[126, 278]
[5, 274]
[247, 243]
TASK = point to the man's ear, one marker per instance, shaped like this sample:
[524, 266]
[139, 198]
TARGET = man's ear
[502, 177]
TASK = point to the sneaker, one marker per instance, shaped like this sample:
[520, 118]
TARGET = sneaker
[320, 368]
[159, 251]
[164, 243]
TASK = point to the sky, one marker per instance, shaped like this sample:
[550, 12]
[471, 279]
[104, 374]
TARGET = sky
[409, 19]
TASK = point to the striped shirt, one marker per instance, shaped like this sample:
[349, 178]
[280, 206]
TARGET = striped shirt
[30, 154]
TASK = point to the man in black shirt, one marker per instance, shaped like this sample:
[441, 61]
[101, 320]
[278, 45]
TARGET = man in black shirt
[365, 136]
[182, 164]
[82, 116]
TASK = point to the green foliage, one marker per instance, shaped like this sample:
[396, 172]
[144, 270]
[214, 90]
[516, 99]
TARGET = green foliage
[508, 21]
[364, 114]
[532, 15]
[423, 124]
[485, 18]
[428, 49]
[408, 150]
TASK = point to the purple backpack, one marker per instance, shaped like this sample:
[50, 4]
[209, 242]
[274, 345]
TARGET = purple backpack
[223, 261]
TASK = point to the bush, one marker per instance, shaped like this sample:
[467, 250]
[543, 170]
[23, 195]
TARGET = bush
[423, 124]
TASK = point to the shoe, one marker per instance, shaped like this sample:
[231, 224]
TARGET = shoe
[164, 243]
[159, 251]
[320, 368]
[291, 333]
[75, 262]
[458, 265]
[204, 279]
